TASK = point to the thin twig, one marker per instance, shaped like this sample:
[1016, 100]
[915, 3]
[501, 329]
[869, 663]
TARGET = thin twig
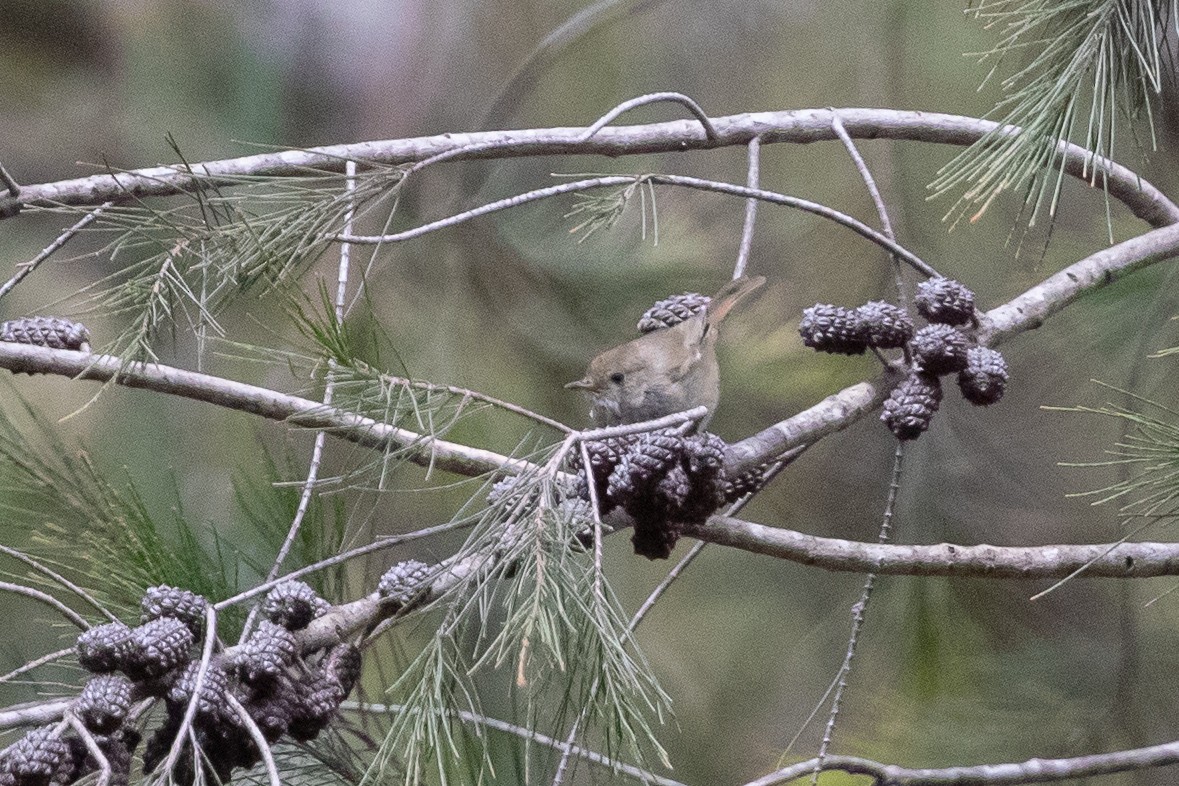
[62, 580]
[48, 600]
[258, 738]
[874, 193]
[329, 389]
[860, 607]
[41, 661]
[190, 710]
[752, 180]
[25, 268]
[859, 610]
[104, 765]
[651, 98]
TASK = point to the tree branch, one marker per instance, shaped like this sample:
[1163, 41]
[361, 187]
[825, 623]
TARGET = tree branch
[1010, 774]
[421, 449]
[797, 126]
[1102, 560]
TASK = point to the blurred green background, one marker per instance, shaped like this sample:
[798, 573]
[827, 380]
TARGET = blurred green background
[948, 672]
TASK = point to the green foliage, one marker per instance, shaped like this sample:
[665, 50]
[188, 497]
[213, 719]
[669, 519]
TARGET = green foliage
[563, 637]
[602, 212]
[1149, 450]
[102, 534]
[229, 236]
[1091, 62]
[268, 502]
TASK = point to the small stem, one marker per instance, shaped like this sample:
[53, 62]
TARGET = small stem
[258, 738]
[48, 600]
[874, 193]
[25, 268]
[651, 98]
[752, 178]
[859, 610]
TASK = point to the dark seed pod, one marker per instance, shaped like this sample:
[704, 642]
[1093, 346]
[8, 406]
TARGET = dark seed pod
[293, 604]
[318, 703]
[36, 757]
[105, 648]
[274, 708]
[939, 349]
[160, 646]
[402, 582]
[887, 326]
[672, 311]
[945, 301]
[211, 702]
[654, 538]
[704, 461]
[343, 665]
[911, 406]
[641, 467]
[184, 605]
[266, 653]
[833, 329]
[604, 456]
[705, 453]
[984, 380]
[674, 489]
[52, 332]
[103, 703]
[745, 483]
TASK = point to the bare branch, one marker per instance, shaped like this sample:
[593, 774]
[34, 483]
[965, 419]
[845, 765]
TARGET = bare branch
[1012, 774]
[606, 181]
[801, 126]
[752, 181]
[421, 449]
[1105, 560]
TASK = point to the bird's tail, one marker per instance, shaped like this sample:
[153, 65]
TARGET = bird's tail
[730, 294]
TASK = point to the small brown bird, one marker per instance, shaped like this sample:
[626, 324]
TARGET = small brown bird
[665, 371]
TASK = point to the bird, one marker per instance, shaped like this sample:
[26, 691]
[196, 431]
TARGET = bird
[665, 371]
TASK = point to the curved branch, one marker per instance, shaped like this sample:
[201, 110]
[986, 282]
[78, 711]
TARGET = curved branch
[801, 126]
[815, 208]
[1010, 774]
[1101, 560]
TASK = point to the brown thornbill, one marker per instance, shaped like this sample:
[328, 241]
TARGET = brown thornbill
[665, 371]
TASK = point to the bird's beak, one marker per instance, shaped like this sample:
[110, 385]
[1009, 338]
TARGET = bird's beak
[581, 384]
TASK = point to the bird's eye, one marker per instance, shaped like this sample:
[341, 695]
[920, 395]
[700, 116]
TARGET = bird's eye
[617, 377]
